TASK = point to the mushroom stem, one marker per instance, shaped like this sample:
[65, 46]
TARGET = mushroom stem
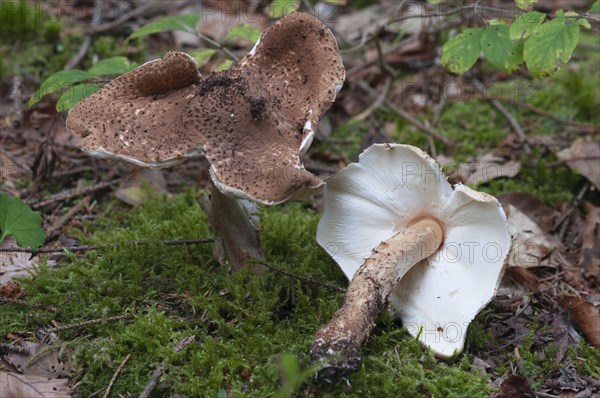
[340, 340]
[234, 231]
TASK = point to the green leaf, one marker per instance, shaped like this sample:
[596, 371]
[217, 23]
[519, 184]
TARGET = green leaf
[112, 66]
[595, 7]
[244, 31]
[522, 27]
[202, 56]
[584, 23]
[281, 8]
[460, 53]
[500, 50]
[57, 81]
[19, 221]
[550, 45]
[224, 65]
[75, 94]
[525, 4]
[186, 22]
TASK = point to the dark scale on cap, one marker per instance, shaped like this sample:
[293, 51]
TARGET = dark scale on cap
[250, 120]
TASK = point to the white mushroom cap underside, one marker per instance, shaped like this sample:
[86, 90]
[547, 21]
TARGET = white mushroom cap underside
[370, 201]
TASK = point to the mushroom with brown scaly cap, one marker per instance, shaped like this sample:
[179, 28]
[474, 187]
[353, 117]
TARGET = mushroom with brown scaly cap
[252, 121]
[404, 235]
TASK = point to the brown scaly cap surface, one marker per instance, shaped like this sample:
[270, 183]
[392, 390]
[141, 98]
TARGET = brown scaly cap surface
[252, 121]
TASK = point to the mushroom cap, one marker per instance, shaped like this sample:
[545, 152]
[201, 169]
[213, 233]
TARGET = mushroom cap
[252, 121]
[370, 201]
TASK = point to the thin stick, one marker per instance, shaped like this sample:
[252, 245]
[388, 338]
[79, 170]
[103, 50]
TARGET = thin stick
[152, 383]
[115, 376]
[123, 18]
[14, 348]
[86, 323]
[54, 230]
[5, 300]
[84, 248]
[376, 104]
[71, 193]
[159, 371]
[303, 278]
[87, 41]
[507, 115]
[588, 128]
[404, 114]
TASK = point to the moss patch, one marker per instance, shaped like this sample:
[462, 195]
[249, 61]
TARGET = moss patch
[244, 323]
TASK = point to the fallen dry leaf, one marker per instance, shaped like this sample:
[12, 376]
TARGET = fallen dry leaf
[531, 243]
[524, 277]
[516, 386]
[11, 290]
[589, 259]
[15, 264]
[484, 168]
[40, 361]
[584, 156]
[585, 315]
[532, 207]
[131, 190]
[15, 385]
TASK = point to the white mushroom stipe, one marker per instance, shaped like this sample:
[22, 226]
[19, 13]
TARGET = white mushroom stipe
[371, 211]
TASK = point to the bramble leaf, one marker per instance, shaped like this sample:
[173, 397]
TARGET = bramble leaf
[185, 22]
[19, 221]
[460, 53]
[224, 65]
[244, 31]
[524, 4]
[500, 50]
[202, 56]
[56, 81]
[75, 94]
[281, 8]
[595, 7]
[550, 45]
[522, 27]
[112, 66]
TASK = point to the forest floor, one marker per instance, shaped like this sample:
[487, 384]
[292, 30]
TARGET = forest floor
[145, 306]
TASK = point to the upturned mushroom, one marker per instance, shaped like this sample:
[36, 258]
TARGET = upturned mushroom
[406, 237]
[252, 122]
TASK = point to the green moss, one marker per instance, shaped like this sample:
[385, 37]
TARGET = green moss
[586, 360]
[245, 324]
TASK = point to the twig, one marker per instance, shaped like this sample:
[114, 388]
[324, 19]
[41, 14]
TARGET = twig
[410, 118]
[152, 383]
[214, 44]
[17, 97]
[70, 193]
[5, 300]
[589, 17]
[84, 248]
[87, 41]
[114, 378]
[560, 223]
[122, 19]
[376, 104]
[507, 115]
[55, 228]
[160, 370]
[303, 278]
[86, 323]
[14, 348]
[588, 128]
